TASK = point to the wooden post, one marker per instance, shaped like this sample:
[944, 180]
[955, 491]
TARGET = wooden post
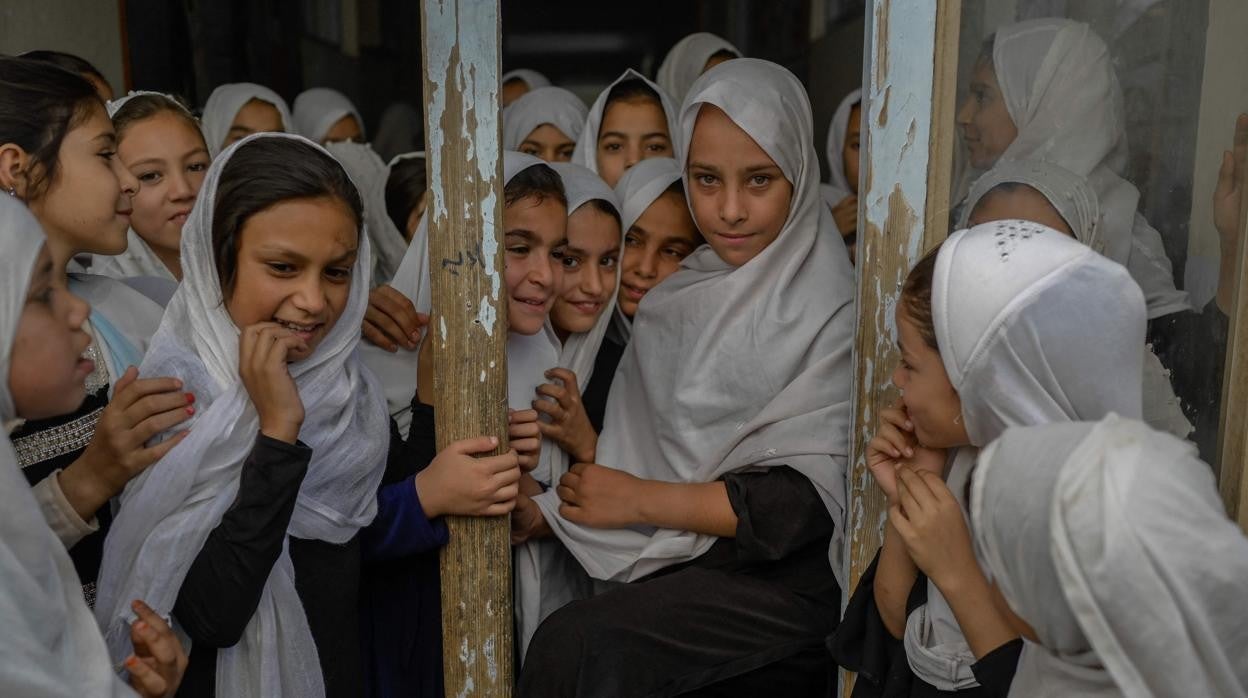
[910, 78]
[1233, 437]
[460, 40]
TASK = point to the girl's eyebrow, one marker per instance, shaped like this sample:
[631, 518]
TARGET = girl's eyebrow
[703, 166]
[521, 233]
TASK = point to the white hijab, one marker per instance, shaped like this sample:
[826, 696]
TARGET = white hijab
[532, 78]
[546, 577]
[641, 185]
[528, 357]
[684, 62]
[370, 175]
[779, 333]
[586, 153]
[1033, 327]
[51, 644]
[138, 259]
[167, 513]
[837, 188]
[1076, 202]
[1057, 78]
[317, 110]
[1110, 540]
[224, 104]
[545, 105]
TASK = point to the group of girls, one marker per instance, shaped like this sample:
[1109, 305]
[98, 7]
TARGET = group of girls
[217, 389]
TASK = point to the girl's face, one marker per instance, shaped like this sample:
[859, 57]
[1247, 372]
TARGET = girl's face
[1021, 202]
[739, 196]
[849, 153]
[168, 157]
[295, 261]
[549, 144]
[86, 207]
[590, 264]
[985, 121]
[413, 218]
[535, 232]
[47, 374]
[256, 116]
[631, 131]
[344, 129]
[654, 247]
[930, 399]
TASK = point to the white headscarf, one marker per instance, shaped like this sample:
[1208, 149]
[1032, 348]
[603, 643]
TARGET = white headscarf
[545, 105]
[1033, 328]
[532, 78]
[1110, 540]
[138, 259]
[734, 368]
[546, 577]
[528, 357]
[586, 153]
[838, 184]
[1057, 78]
[398, 131]
[318, 109]
[684, 62]
[641, 185]
[370, 175]
[224, 104]
[168, 512]
[51, 645]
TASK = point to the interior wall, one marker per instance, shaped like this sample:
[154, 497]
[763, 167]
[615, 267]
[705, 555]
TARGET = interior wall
[87, 28]
[834, 70]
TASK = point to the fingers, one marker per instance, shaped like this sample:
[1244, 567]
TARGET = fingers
[525, 430]
[144, 679]
[898, 418]
[889, 439]
[556, 392]
[527, 446]
[897, 517]
[477, 445]
[505, 463]
[401, 312]
[130, 376]
[521, 416]
[148, 456]
[1226, 177]
[392, 332]
[915, 495]
[563, 375]
[373, 335]
[552, 409]
[162, 414]
[136, 390]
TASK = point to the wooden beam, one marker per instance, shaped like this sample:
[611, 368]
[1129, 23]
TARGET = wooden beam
[1233, 432]
[909, 99]
[460, 40]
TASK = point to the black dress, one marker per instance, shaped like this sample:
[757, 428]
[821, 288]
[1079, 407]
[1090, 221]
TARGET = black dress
[1192, 346]
[599, 388]
[747, 618]
[863, 644]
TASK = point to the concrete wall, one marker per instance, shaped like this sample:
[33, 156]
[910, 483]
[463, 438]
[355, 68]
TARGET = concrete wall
[87, 28]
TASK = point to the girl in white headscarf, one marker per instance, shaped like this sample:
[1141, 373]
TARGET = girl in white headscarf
[1046, 90]
[841, 191]
[407, 192]
[517, 82]
[370, 174]
[1009, 323]
[51, 644]
[237, 110]
[81, 195]
[724, 447]
[325, 115]
[546, 576]
[1051, 195]
[545, 123]
[1115, 560]
[632, 120]
[161, 144]
[689, 58]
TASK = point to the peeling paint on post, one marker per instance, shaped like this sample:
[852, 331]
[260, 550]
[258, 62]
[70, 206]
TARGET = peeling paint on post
[910, 76]
[460, 41]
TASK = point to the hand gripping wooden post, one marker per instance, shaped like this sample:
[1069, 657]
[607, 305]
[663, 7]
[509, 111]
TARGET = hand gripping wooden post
[460, 41]
[909, 80]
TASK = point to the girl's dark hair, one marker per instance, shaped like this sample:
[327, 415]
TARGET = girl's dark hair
[266, 172]
[723, 53]
[143, 107]
[603, 206]
[404, 187]
[39, 104]
[916, 297]
[537, 181]
[68, 61]
[631, 90]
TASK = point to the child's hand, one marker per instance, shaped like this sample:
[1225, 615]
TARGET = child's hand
[930, 522]
[459, 483]
[894, 446]
[527, 521]
[158, 662]
[392, 321]
[526, 437]
[569, 424]
[600, 497]
[262, 356]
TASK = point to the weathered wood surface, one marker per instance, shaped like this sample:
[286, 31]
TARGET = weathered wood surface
[1233, 437]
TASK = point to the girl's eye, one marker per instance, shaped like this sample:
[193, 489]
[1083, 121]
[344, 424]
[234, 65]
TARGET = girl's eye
[566, 152]
[608, 262]
[569, 262]
[905, 365]
[760, 180]
[281, 267]
[338, 273]
[612, 147]
[673, 252]
[631, 241]
[197, 167]
[149, 177]
[519, 250]
[107, 154]
[529, 150]
[43, 296]
[705, 180]
[657, 147]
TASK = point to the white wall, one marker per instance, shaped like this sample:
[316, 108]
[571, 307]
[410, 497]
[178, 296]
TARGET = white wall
[87, 28]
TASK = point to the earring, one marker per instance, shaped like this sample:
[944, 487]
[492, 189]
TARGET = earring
[13, 192]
